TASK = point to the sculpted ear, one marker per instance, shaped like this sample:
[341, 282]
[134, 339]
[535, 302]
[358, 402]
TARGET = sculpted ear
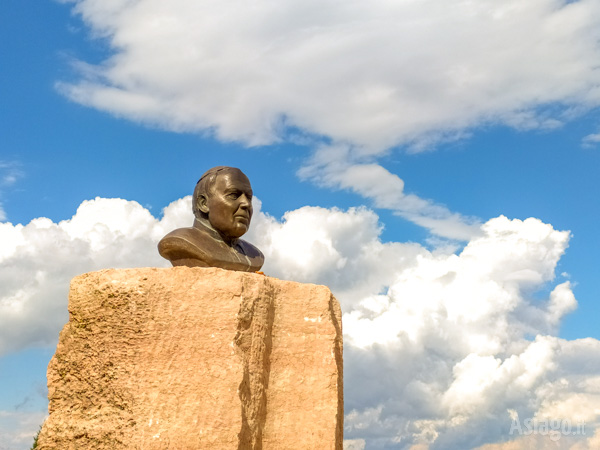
[202, 204]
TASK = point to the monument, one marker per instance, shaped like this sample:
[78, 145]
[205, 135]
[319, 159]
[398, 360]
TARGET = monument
[222, 206]
[198, 357]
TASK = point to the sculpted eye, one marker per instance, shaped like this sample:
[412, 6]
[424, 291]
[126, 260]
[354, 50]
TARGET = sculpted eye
[233, 195]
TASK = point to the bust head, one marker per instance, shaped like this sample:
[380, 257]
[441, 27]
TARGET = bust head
[222, 206]
[223, 198]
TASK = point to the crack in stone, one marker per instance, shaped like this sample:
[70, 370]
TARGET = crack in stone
[254, 343]
[336, 319]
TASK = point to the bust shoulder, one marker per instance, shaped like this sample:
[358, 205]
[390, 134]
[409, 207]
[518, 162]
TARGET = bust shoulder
[203, 247]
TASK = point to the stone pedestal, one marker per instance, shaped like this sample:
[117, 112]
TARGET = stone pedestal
[196, 358]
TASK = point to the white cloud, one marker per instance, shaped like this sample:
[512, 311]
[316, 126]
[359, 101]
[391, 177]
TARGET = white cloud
[332, 166]
[367, 77]
[354, 444]
[327, 246]
[473, 293]
[451, 333]
[437, 348]
[373, 75]
[440, 348]
[38, 260]
[591, 140]
[9, 174]
[17, 429]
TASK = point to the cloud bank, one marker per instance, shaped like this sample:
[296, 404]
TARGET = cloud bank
[351, 79]
[373, 75]
[442, 350]
[38, 260]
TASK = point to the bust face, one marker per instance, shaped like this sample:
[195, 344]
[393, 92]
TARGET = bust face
[229, 204]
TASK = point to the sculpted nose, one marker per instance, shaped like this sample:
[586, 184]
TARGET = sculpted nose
[245, 202]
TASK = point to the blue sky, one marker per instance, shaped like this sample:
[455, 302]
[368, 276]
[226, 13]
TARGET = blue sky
[340, 108]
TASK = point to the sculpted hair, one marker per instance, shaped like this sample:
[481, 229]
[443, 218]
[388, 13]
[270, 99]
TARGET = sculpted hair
[205, 185]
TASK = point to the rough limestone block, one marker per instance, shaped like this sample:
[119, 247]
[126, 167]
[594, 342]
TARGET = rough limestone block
[196, 358]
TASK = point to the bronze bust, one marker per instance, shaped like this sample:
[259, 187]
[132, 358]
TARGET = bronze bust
[222, 206]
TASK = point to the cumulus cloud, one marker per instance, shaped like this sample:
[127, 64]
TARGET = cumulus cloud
[38, 260]
[328, 246]
[374, 75]
[452, 334]
[442, 350]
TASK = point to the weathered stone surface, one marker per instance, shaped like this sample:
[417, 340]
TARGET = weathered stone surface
[195, 358]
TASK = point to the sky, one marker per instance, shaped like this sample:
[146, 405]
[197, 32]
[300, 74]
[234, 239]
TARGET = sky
[436, 163]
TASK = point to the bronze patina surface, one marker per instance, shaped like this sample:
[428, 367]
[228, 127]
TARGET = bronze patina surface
[222, 206]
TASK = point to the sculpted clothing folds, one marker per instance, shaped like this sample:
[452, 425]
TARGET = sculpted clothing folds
[201, 246]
